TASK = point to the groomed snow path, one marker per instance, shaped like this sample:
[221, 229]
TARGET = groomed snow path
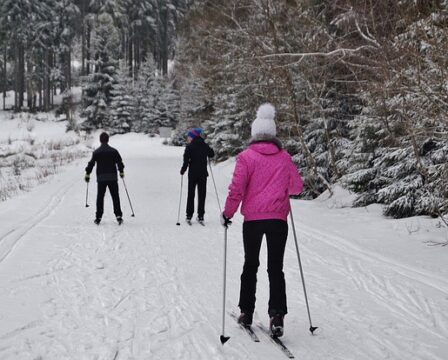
[152, 290]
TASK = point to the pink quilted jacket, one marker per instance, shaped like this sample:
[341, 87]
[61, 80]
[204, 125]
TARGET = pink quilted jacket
[263, 179]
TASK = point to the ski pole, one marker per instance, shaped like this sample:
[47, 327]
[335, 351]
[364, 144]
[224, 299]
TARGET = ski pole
[180, 200]
[224, 338]
[128, 197]
[87, 194]
[214, 184]
[312, 328]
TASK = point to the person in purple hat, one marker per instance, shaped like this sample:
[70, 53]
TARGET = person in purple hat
[195, 159]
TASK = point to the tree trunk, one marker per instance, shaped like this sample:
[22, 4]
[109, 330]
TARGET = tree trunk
[29, 86]
[130, 53]
[46, 85]
[88, 50]
[124, 46]
[136, 53]
[40, 94]
[331, 148]
[21, 75]
[66, 63]
[165, 43]
[16, 77]
[83, 38]
[5, 79]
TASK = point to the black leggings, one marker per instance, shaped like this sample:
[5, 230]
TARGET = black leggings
[201, 184]
[113, 188]
[276, 232]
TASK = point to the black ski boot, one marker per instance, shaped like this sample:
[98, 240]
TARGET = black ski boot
[119, 220]
[188, 220]
[200, 220]
[276, 325]
[245, 319]
[97, 221]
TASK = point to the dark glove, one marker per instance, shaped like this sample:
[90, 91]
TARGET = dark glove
[225, 221]
[87, 177]
[122, 174]
[182, 171]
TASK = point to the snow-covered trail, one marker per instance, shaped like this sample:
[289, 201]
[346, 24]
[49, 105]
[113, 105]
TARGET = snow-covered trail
[152, 290]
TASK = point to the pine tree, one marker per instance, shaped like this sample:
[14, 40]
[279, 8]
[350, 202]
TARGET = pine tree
[229, 126]
[167, 105]
[123, 102]
[144, 94]
[97, 94]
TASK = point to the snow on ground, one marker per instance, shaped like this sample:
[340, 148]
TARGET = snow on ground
[33, 147]
[153, 290]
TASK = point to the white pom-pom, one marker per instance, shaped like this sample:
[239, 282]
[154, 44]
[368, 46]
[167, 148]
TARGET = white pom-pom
[264, 123]
[266, 111]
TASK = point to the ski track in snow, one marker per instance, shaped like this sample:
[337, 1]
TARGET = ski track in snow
[398, 300]
[151, 290]
[9, 241]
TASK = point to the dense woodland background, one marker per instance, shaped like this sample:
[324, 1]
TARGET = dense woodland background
[360, 87]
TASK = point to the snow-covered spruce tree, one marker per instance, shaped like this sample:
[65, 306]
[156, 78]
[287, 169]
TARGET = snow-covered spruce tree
[401, 151]
[167, 104]
[123, 102]
[194, 108]
[144, 90]
[229, 126]
[97, 93]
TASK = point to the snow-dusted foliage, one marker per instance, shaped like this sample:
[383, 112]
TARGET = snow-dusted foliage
[143, 103]
[194, 108]
[360, 91]
[400, 138]
[122, 104]
[228, 126]
[98, 89]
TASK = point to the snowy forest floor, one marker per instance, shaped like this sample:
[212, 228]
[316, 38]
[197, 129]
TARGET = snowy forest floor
[152, 290]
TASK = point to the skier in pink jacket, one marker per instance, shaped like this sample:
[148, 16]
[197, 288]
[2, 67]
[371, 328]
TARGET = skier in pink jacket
[263, 179]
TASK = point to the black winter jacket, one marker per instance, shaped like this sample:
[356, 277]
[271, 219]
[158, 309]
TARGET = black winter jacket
[195, 158]
[107, 161]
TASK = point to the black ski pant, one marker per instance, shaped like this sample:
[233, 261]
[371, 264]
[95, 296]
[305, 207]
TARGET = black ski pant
[113, 188]
[276, 232]
[201, 184]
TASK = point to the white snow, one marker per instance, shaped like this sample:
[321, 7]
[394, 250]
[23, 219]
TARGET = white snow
[153, 290]
[32, 148]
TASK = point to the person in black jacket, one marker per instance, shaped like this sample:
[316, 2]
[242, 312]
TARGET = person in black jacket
[195, 159]
[107, 161]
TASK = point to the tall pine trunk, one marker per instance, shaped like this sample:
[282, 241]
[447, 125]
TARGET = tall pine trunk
[46, 84]
[29, 85]
[130, 53]
[16, 76]
[5, 77]
[88, 50]
[165, 43]
[21, 75]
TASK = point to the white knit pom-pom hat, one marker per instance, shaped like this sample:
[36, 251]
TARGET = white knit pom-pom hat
[264, 122]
